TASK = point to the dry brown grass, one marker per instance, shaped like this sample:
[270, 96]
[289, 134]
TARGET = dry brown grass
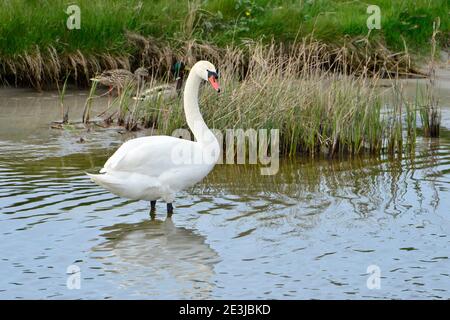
[44, 67]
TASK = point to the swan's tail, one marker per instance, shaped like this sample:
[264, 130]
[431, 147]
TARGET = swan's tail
[127, 185]
[104, 180]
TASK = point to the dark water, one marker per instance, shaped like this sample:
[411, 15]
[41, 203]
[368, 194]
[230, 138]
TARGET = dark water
[311, 231]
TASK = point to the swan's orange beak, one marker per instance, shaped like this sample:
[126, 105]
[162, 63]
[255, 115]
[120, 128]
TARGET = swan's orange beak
[214, 83]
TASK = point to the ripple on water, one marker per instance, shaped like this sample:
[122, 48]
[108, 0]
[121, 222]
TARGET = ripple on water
[311, 231]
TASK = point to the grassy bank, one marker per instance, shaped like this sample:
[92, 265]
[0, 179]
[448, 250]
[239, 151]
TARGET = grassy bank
[36, 47]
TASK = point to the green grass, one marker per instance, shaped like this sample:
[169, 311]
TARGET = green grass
[36, 47]
[27, 23]
[332, 20]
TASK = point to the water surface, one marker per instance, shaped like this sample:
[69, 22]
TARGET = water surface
[311, 231]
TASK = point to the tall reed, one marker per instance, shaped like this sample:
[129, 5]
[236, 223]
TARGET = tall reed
[62, 94]
[430, 112]
[317, 109]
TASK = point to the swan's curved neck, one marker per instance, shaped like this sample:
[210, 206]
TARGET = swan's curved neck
[193, 116]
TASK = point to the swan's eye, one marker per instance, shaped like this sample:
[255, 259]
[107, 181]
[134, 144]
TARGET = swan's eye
[212, 78]
[212, 74]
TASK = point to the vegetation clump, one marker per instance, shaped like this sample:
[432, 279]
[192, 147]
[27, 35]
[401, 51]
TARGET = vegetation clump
[316, 109]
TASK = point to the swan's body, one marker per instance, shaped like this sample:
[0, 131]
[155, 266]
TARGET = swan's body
[157, 167]
[143, 169]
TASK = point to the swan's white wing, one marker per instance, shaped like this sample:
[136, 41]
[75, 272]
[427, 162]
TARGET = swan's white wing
[151, 156]
[123, 149]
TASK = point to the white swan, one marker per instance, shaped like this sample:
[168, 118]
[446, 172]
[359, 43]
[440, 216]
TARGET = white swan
[156, 167]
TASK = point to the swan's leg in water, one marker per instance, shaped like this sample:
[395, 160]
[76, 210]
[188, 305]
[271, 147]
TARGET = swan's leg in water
[169, 209]
[152, 209]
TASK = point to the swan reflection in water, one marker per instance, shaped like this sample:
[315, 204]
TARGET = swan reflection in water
[156, 258]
